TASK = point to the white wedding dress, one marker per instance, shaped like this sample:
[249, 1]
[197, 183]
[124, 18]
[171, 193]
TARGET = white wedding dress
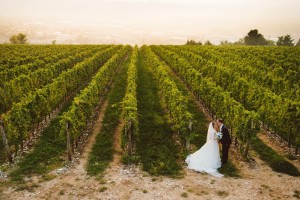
[207, 158]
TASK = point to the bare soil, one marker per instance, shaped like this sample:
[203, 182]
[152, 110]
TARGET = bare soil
[258, 181]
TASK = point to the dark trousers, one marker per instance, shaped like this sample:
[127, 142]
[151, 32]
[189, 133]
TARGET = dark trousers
[225, 149]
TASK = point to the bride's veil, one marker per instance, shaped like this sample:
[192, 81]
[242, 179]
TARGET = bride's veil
[210, 132]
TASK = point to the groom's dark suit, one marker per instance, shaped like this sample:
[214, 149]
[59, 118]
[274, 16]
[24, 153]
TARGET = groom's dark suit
[226, 141]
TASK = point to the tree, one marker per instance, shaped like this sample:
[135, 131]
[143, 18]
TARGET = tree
[255, 38]
[193, 42]
[225, 43]
[208, 43]
[285, 41]
[240, 42]
[18, 39]
[271, 43]
[298, 43]
[53, 41]
[14, 39]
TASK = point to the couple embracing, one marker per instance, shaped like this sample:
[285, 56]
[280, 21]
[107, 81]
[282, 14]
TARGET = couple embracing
[207, 158]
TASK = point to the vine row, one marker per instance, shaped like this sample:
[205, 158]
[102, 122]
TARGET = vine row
[129, 106]
[20, 120]
[74, 121]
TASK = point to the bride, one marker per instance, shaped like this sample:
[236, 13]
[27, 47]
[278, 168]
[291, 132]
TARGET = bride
[207, 158]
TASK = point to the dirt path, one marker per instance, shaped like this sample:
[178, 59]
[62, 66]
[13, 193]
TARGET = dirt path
[259, 183]
[92, 138]
[120, 182]
[117, 145]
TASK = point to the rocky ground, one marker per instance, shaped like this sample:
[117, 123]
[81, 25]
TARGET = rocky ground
[257, 181]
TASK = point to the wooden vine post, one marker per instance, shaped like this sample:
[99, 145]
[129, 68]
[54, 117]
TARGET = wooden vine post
[248, 139]
[69, 149]
[188, 140]
[5, 142]
[129, 137]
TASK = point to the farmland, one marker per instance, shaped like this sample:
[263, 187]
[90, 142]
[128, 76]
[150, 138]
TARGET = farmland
[97, 109]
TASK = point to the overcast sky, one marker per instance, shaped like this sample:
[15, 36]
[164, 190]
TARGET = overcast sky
[213, 20]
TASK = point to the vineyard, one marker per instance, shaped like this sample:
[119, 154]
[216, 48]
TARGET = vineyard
[160, 98]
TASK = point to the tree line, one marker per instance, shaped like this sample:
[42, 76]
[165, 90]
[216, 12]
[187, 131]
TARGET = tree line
[253, 38]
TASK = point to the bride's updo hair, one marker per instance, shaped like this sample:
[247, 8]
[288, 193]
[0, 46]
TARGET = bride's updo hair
[213, 124]
[220, 120]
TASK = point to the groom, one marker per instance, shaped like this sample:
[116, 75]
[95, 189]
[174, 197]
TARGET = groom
[225, 140]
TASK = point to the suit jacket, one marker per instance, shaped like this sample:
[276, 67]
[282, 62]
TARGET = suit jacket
[226, 139]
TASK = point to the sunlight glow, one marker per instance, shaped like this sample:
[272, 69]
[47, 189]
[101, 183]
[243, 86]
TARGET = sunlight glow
[150, 21]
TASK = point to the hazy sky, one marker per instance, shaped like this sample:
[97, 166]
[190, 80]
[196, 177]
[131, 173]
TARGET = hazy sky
[143, 20]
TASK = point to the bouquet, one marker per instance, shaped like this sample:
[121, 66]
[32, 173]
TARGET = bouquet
[219, 136]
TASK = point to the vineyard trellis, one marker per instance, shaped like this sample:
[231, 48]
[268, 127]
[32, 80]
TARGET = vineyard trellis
[249, 87]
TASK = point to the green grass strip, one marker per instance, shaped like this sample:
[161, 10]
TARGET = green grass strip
[156, 147]
[277, 162]
[47, 153]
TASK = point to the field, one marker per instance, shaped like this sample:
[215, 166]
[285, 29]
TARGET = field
[116, 121]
